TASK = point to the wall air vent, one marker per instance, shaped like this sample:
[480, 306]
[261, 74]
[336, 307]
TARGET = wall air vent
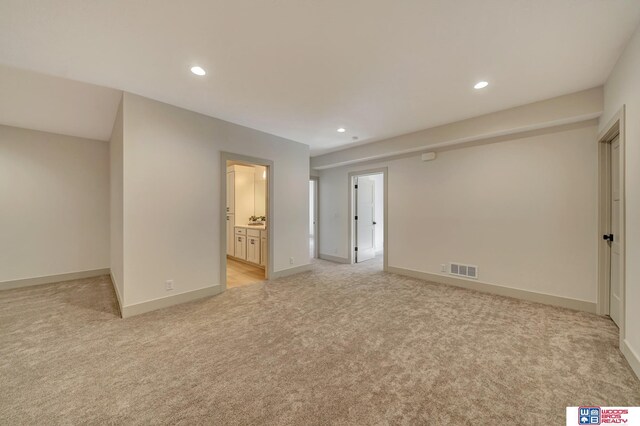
[462, 270]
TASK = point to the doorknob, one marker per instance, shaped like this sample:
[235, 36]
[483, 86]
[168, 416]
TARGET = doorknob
[608, 237]
[375, 223]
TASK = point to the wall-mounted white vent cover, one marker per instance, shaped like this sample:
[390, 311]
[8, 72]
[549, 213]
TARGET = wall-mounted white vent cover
[462, 270]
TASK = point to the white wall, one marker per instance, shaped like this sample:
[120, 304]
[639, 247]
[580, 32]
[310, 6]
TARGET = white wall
[54, 217]
[260, 192]
[623, 88]
[116, 179]
[333, 212]
[172, 181]
[523, 210]
[244, 191]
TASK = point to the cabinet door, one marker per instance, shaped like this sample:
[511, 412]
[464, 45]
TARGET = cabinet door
[231, 192]
[231, 247]
[241, 246]
[243, 205]
[263, 251]
[253, 249]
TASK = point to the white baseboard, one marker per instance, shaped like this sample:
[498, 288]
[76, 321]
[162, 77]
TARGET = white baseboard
[291, 271]
[165, 302]
[27, 282]
[115, 288]
[246, 262]
[548, 299]
[631, 356]
[335, 259]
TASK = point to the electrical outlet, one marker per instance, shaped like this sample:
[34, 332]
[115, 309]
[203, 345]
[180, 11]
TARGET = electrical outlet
[291, 261]
[443, 267]
[168, 285]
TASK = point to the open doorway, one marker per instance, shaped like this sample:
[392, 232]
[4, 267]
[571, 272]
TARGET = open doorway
[368, 213]
[313, 218]
[247, 220]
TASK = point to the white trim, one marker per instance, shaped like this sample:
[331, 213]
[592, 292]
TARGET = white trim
[291, 271]
[335, 259]
[547, 299]
[49, 279]
[165, 302]
[631, 356]
[115, 288]
[246, 262]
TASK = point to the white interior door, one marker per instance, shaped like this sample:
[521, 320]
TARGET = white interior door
[615, 296]
[365, 225]
[312, 218]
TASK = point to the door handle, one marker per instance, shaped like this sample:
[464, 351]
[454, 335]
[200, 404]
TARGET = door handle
[375, 223]
[608, 237]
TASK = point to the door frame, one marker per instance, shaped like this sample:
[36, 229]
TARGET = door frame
[270, 210]
[615, 127]
[316, 213]
[351, 199]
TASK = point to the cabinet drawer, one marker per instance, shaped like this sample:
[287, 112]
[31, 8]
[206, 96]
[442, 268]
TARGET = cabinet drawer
[241, 231]
[253, 233]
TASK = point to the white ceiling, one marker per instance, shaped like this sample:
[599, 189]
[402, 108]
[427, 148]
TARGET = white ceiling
[51, 104]
[302, 68]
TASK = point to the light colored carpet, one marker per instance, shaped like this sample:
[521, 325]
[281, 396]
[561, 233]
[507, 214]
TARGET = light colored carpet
[339, 345]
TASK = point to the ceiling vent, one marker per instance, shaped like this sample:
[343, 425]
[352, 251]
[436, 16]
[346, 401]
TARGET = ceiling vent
[462, 270]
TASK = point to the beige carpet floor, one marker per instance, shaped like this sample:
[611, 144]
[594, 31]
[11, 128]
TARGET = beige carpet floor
[338, 345]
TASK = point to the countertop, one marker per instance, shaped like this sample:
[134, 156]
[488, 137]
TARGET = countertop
[259, 227]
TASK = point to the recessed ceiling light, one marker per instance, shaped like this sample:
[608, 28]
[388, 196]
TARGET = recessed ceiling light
[481, 85]
[198, 71]
[342, 130]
